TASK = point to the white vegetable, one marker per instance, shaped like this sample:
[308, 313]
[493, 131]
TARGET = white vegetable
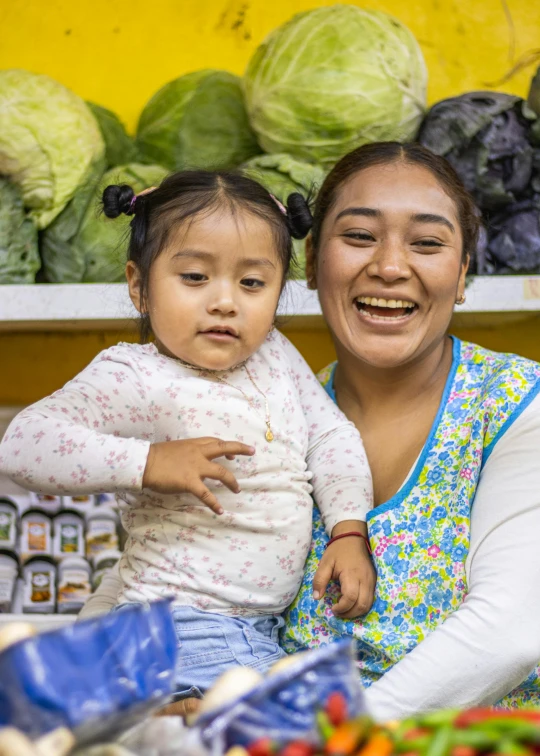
[15, 632]
[231, 685]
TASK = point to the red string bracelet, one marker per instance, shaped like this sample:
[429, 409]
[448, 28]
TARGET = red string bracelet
[351, 533]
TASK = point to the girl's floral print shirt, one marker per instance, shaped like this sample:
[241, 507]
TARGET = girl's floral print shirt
[94, 435]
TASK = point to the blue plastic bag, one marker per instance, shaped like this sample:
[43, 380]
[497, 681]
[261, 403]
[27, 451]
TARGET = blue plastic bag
[95, 677]
[284, 706]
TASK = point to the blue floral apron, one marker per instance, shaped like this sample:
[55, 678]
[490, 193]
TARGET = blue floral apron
[420, 537]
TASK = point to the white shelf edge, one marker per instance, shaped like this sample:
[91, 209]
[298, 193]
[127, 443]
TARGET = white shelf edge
[40, 622]
[72, 306]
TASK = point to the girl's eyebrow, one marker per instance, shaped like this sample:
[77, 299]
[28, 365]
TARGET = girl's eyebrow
[248, 262]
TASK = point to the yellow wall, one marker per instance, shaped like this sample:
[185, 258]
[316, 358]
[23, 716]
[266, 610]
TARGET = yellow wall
[119, 52]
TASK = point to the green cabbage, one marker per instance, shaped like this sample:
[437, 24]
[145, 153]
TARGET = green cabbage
[197, 121]
[19, 258]
[119, 147]
[61, 262]
[332, 79]
[49, 141]
[282, 175]
[98, 250]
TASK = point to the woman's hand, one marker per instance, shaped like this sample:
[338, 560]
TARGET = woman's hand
[348, 562]
[175, 467]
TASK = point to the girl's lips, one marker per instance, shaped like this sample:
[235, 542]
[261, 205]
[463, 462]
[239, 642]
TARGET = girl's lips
[221, 336]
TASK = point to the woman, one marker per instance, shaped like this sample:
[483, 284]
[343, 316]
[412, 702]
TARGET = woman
[456, 621]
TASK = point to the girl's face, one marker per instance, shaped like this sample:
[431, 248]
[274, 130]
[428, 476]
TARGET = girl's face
[389, 266]
[214, 289]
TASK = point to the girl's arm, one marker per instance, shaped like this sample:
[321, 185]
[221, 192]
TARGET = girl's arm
[92, 436]
[342, 484]
[105, 597]
[492, 642]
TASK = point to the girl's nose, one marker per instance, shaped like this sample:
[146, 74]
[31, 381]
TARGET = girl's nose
[223, 301]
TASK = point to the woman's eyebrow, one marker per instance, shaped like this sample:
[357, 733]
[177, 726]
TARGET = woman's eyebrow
[368, 212]
[432, 218]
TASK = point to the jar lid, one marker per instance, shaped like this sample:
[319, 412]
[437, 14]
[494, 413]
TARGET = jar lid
[106, 556]
[36, 511]
[102, 513]
[40, 558]
[6, 502]
[74, 563]
[10, 554]
[70, 513]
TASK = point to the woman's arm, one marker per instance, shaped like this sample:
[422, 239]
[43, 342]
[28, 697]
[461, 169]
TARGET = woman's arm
[85, 438]
[492, 642]
[341, 478]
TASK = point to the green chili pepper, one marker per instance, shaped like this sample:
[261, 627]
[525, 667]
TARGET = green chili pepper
[511, 748]
[417, 745]
[481, 739]
[441, 741]
[437, 718]
[325, 728]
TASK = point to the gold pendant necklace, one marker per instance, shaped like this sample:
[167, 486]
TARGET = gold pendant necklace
[269, 435]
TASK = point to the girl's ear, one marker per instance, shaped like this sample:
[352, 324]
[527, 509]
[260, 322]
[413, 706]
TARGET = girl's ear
[311, 264]
[134, 281]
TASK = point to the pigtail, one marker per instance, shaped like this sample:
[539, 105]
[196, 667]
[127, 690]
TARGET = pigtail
[299, 217]
[118, 200]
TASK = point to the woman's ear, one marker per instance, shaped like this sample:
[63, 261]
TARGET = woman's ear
[463, 276]
[311, 264]
[134, 281]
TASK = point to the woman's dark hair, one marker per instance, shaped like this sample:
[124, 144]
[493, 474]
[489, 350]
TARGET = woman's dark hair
[385, 153]
[189, 193]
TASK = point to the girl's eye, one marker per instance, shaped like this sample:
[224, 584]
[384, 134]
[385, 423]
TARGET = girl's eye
[252, 283]
[193, 277]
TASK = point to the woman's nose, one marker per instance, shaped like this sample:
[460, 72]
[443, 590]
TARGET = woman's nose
[389, 261]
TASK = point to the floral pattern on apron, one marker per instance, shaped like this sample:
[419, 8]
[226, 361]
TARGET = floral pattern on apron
[420, 537]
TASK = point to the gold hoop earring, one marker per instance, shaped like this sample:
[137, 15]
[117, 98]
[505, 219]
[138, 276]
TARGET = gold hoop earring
[461, 300]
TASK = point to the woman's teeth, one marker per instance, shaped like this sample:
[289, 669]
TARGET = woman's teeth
[392, 303]
[384, 309]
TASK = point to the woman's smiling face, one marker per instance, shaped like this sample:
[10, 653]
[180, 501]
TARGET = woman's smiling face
[389, 267]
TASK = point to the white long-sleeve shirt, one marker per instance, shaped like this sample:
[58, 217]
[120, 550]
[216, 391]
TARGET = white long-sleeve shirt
[491, 643]
[94, 435]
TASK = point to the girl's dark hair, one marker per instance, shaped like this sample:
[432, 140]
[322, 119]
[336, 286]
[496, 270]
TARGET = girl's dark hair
[385, 153]
[189, 193]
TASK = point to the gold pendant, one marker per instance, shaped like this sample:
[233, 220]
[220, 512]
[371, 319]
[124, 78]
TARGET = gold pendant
[269, 435]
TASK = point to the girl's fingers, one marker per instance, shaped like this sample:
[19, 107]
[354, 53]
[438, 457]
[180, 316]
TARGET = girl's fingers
[322, 577]
[350, 589]
[217, 448]
[218, 472]
[207, 497]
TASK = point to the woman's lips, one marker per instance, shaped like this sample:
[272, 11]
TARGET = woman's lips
[378, 311]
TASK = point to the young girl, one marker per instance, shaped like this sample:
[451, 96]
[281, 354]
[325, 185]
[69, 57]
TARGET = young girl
[208, 257]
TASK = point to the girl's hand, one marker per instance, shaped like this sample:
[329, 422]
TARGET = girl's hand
[348, 562]
[176, 467]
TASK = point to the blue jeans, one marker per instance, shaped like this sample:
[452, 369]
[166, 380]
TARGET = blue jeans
[210, 644]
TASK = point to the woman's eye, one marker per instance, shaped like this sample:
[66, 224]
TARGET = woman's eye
[428, 243]
[193, 277]
[252, 283]
[359, 236]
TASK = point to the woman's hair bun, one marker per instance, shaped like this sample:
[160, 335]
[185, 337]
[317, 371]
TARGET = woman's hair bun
[118, 200]
[299, 216]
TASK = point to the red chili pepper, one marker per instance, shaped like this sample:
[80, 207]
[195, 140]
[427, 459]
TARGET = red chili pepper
[478, 716]
[463, 750]
[415, 732]
[336, 708]
[298, 748]
[261, 747]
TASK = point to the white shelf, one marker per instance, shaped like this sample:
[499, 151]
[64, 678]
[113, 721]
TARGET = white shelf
[41, 622]
[97, 306]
